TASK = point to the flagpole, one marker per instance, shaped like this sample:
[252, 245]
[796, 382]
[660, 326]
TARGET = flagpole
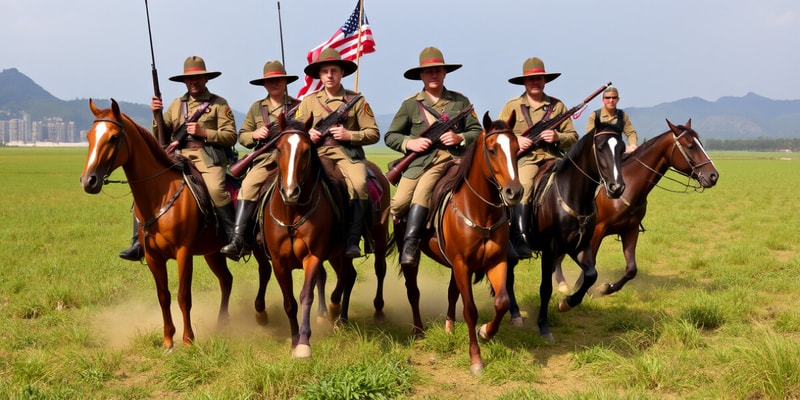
[358, 46]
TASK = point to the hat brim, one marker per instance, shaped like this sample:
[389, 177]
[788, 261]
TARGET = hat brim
[520, 80]
[413, 73]
[211, 75]
[348, 67]
[260, 81]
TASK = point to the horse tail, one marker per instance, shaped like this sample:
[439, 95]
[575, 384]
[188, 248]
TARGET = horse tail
[391, 244]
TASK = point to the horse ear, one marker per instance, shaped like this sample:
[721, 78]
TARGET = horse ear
[95, 110]
[688, 123]
[115, 109]
[671, 126]
[309, 123]
[487, 121]
[512, 119]
[281, 121]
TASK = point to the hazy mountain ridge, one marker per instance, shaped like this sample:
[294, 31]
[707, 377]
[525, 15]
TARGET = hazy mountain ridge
[732, 118]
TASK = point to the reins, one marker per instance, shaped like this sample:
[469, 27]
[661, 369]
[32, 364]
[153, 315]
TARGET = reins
[677, 144]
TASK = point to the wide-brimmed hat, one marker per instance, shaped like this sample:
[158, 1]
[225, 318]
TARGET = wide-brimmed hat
[273, 70]
[330, 56]
[194, 65]
[429, 57]
[534, 67]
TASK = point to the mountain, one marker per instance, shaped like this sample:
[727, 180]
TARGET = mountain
[730, 118]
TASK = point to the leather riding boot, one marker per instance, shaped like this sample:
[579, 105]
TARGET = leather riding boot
[225, 219]
[135, 252]
[239, 246]
[356, 213]
[520, 214]
[415, 225]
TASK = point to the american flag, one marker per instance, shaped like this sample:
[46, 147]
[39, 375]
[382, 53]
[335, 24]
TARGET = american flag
[345, 41]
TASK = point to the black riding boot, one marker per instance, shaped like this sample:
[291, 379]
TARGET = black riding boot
[239, 246]
[520, 214]
[225, 219]
[356, 210]
[415, 225]
[135, 252]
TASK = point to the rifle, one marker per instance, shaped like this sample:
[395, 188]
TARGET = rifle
[157, 115]
[551, 123]
[433, 132]
[336, 117]
[180, 131]
[238, 168]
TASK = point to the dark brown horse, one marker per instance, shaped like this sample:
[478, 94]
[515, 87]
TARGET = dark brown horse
[678, 149]
[471, 233]
[173, 225]
[565, 213]
[303, 226]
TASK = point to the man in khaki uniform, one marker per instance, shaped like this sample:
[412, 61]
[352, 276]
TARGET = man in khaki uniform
[207, 140]
[343, 143]
[260, 125]
[611, 118]
[531, 107]
[417, 113]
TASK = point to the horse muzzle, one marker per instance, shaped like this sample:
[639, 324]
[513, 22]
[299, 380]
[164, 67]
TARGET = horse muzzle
[91, 183]
[511, 195]
[614, 190]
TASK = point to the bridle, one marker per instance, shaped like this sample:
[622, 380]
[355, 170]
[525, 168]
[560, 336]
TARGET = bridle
[693, 174]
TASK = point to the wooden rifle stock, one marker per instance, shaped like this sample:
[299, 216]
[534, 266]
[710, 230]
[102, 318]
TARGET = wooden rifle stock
[551, 123]
[433, 132]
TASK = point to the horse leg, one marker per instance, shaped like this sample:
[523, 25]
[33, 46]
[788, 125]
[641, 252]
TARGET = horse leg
[585, 260]
[185, 272]
[497, 276]
[379, 236]
[335, 308]
[461, 276]
[516, 315]
[629, 241]
[452, 298]
[545, 292]
[348, 276]
[311, 267]
[284, 277]
[558, 274]
[219, 266]
[158, 267]
[410, 273]
[322, 307]
[264, 273]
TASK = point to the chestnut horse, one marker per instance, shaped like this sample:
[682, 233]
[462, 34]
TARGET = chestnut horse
[173, 225]
[678, 149]
[564, 213]
[303, 226]
[471, 234]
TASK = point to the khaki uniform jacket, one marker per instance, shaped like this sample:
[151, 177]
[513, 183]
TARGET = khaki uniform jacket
[217, 121]
[360, 118]
[567, 135]
[606, 117]
[410, 121]
[254, 120]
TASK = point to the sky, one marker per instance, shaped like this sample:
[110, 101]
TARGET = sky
[653, 51]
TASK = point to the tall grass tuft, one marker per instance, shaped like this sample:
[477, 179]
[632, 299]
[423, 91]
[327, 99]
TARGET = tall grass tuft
[766, 366]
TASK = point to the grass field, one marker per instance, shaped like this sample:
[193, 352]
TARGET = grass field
[712, 314]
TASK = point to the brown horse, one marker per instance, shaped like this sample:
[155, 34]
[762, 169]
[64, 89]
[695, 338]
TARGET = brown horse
[173, 225]
[565, 213]
[302, 227]
[471, 234]
[679, 149]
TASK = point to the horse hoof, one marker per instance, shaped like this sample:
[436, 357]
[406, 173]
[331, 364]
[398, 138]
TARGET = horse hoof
[334, 310]
[482, 333]
[563, 306]
[302, 351]
[448, 325]
[517, 322]
[605, 289]
[476, 369]
[262, 318]
[549, 337]
[563, 288]
[379, 317]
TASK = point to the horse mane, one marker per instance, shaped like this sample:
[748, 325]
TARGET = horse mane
[157, 151]
[573, 152]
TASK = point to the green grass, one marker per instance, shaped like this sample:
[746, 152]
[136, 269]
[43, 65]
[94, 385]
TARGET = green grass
[711, 314]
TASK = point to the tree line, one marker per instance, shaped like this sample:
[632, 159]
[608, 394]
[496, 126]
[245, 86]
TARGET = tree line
[761, 144]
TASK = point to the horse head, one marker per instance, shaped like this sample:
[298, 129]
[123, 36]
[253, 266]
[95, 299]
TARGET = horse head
[608, 150]
[500, 147]
[106, 141]
[296, 158]
[693, 160]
